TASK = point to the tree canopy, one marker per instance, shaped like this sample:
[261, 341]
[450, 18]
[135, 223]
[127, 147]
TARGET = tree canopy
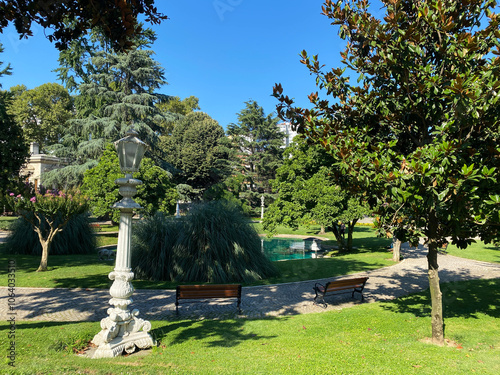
[307, 191]
[42, 112]
[420, 130]
[157, 192]
[48, 214]
[13, 148]
[71, 19]
[196, 149]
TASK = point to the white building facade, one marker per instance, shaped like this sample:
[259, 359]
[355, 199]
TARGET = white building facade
[39, 164]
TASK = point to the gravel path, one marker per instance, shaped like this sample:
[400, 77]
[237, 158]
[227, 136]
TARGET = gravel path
[387, 283]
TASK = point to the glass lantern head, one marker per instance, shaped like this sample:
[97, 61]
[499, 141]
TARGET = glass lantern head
[130, 152]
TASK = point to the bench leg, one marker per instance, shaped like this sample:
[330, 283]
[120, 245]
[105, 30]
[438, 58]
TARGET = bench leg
[322, 302]
[315, 300]
[360, 292]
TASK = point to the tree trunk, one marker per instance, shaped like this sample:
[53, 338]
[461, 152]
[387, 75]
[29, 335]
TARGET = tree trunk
[46, 244]
[436, 295]
[339, 238]
[45, 256]
[396, 250]
[350, 231]
[322, 230]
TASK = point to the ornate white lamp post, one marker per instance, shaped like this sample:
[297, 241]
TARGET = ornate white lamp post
[122, 329]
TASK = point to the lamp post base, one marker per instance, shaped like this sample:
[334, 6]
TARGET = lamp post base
[115, 347]
[116, 337]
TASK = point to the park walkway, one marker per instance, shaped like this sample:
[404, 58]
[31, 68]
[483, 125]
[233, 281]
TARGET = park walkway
[387, 283]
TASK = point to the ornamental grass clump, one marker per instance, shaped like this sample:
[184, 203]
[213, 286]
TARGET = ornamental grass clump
[213, 243]
[153, 242]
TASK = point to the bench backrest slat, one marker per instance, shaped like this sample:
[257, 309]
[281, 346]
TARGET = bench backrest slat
[208, 291]
[346, 284]
[209, 286]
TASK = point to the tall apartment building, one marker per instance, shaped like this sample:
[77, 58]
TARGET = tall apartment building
[289, 134]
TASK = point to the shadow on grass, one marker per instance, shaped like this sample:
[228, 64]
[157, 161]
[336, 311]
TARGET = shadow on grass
[102, 281]
[89, 281]
[30, 263]
[35, 325]
[460, 299]
[371, 243]
[312, 269]
[218, 333]
[363, 229]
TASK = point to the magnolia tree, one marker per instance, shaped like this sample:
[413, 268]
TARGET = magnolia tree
[419, 131]
[48, 215]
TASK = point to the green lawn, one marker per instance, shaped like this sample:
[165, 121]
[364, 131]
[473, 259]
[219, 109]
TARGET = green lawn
[311, 230]
[378, 338]
[86, 271]
[367, 339]
[106, 238]
[6, 221]
[477, 251]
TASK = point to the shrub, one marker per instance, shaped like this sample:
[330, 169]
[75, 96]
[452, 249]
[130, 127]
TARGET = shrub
[76, 238]
[156, 193]
[213, 243]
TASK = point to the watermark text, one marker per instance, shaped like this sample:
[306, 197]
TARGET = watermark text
[223, 6]
[11, 301]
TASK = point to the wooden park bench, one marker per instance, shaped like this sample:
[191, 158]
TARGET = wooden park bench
[208, 292]
[339, 287]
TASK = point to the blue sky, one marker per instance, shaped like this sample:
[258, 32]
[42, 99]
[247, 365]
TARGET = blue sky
[225, 52]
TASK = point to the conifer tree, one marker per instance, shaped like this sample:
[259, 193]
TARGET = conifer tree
[196, 149]
[258, 145]
[259, 142]
[116, 91]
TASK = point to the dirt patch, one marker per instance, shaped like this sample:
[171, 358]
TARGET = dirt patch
[447, 342]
